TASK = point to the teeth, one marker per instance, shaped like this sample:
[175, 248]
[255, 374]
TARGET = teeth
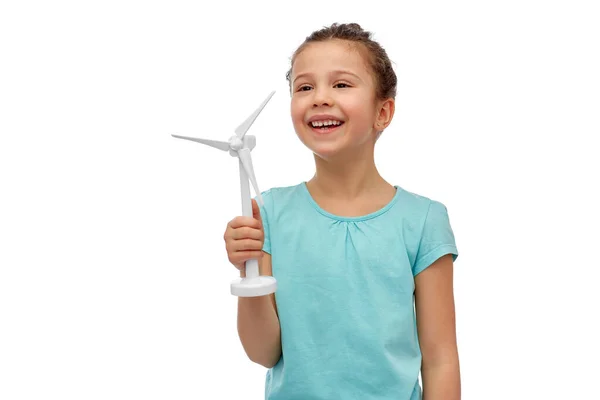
[330, 122]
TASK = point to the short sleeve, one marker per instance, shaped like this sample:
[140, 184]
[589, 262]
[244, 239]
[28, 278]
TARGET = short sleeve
[264, 215]
[437, 238]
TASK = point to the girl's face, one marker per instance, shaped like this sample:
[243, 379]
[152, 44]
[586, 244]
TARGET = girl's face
[333, 105]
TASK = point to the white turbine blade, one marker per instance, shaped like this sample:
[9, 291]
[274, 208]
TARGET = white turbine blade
[246, 159]
[213, 143]
[241, 130]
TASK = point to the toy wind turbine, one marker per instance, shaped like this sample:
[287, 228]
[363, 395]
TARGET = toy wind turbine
[240, 145]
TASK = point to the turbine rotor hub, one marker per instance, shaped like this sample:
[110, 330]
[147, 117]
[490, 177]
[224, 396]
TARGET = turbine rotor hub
[236, 143]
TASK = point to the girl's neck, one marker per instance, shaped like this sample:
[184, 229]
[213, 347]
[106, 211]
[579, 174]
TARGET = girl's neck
[348, 179]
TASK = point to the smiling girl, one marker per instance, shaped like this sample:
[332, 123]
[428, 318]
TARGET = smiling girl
[364, 268]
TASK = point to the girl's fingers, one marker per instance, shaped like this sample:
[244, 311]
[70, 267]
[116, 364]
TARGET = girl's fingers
[245, 244]
[246, 233]
[242, 221]
[240, 257]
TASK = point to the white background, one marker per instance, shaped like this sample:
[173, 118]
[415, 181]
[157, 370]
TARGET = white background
[114, 282]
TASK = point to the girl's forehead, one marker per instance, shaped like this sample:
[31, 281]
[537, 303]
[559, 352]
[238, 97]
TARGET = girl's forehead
[330, 55]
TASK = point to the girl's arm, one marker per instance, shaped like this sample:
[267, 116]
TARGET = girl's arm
[434, 303]
[258, 323]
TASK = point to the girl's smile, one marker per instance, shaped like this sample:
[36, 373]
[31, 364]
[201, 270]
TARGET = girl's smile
[324, 123]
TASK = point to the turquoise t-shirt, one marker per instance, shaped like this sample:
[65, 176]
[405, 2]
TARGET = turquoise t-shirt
[345, 294]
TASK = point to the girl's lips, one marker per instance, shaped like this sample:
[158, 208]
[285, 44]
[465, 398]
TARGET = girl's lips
[324, 130]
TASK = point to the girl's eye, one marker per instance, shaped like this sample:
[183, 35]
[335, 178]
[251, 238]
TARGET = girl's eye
[303, 88]
[341, 85]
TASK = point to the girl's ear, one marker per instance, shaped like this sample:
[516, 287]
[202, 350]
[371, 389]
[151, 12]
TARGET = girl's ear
[385, 113]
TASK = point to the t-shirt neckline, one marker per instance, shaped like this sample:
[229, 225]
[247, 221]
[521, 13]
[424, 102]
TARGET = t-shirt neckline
[374, 214]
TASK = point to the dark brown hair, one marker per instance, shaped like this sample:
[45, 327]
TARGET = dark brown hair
[376, 57]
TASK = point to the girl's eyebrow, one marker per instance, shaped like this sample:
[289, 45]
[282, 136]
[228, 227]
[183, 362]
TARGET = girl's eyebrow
[346, 72]
[333, 73]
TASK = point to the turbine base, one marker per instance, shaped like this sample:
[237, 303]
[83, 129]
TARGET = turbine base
[253, 287]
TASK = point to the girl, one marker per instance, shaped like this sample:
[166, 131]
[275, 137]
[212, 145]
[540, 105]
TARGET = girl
[364, 268]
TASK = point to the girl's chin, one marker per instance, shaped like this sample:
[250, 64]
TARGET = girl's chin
[323, 150]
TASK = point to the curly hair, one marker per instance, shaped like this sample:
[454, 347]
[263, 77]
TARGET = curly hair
[376, 57]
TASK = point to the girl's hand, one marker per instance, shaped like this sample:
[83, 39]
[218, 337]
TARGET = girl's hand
[244, 238]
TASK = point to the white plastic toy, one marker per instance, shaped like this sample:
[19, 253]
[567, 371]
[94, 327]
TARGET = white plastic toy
[240, 145]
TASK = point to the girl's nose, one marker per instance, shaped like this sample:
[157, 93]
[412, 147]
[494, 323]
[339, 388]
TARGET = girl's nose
[322, 98]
